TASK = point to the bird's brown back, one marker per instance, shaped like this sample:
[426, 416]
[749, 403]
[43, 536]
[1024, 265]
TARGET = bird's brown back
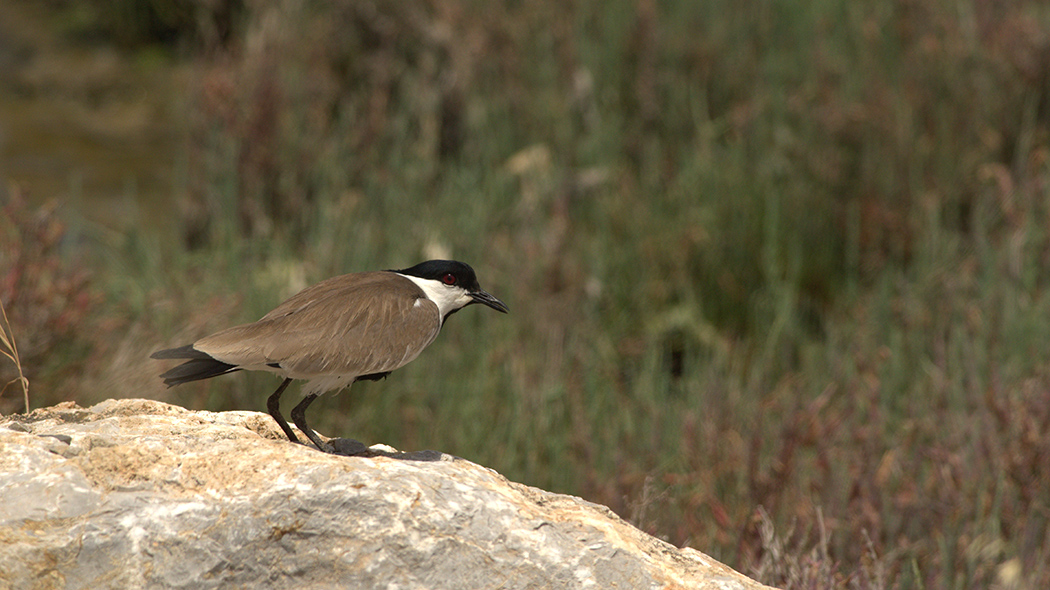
[356, 324]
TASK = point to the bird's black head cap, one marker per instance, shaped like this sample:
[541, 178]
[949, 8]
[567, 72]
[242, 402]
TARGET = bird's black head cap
[454, 273]
[438, 270]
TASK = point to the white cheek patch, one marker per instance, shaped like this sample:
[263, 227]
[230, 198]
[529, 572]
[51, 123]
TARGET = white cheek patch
[447, 298]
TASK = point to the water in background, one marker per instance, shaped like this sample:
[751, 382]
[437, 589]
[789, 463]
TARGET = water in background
[92, 128]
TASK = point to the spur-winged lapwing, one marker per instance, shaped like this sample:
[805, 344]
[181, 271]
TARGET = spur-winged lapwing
[345, 329]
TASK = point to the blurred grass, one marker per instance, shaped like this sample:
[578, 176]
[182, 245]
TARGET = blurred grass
[758, 255]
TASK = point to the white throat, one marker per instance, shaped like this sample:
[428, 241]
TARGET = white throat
[448, 298]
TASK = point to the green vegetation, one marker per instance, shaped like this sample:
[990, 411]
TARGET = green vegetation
[777, 272]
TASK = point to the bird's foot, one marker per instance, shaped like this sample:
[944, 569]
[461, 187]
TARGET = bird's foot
[347, 447]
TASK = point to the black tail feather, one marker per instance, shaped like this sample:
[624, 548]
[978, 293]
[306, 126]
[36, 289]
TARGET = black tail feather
[199, 366]
[182, 352]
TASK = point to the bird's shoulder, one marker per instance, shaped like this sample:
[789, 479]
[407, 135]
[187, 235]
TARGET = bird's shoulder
[365, 290]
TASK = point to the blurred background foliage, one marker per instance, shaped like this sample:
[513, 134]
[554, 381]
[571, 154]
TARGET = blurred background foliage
[778, 271]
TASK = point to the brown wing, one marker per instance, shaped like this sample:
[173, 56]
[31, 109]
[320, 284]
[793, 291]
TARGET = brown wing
[350, 325]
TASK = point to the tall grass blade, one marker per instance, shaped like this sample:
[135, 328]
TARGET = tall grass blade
[10, 349]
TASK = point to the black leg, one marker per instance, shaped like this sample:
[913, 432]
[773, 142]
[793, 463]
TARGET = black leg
[299, 417]
[274, 407]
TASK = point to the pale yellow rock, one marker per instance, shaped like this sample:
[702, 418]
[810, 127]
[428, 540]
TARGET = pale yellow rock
[141, 494]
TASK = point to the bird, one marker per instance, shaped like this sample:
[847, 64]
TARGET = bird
[353, 327]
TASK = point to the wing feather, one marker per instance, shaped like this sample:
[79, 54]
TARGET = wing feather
[351, 325]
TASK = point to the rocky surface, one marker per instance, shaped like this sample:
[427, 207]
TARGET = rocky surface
[141, 494]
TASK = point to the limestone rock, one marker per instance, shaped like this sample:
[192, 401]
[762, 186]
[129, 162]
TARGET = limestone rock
[141, 494]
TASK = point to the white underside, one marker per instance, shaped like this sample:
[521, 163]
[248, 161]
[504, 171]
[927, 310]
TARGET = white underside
[319, 385]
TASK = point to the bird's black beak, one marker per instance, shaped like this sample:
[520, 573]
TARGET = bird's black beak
[480, 296]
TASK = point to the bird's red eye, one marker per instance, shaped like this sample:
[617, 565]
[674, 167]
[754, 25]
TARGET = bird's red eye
[449, 279]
